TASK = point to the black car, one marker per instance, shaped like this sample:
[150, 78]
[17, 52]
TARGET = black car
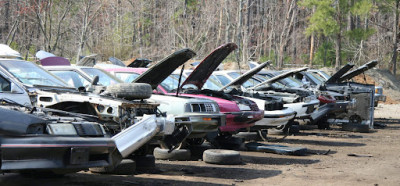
[32, 140]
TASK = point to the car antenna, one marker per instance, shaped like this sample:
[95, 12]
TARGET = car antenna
[179, 81]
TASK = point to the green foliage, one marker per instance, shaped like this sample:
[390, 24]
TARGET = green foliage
[323, 21]
[359, 34]
[362, 8]
[325, 51]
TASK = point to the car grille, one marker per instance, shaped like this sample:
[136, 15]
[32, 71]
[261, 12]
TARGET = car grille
[273, 106]
[202, 107]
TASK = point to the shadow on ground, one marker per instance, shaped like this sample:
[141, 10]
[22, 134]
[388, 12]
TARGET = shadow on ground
[216, 171]
[82, 179]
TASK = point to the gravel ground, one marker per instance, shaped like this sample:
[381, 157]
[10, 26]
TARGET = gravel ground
[315, 168]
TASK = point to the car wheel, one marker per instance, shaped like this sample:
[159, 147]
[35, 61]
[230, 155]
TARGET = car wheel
[177, 154]
[130, 90]
[126, 167]
[222, 157]
[195, 141]
[144, 163]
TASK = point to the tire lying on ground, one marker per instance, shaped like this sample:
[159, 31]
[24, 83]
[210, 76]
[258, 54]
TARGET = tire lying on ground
[130, 90]
[126, 167]
[355, 127]
[177, 154]
[248, 136]
[222, 157]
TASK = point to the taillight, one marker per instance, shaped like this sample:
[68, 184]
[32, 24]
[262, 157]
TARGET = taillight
[326, 99]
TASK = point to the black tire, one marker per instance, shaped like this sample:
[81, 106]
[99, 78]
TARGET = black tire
[177, 154]
[248, 136]
[126, 167]
[195, 141]
[355, 127]
[145, 163]
[130, 90]
[222, 157]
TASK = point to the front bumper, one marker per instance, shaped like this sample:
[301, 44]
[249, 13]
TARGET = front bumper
[241, 120]
[303, 109]
[55, 153]
[202, 124]
[275, 118]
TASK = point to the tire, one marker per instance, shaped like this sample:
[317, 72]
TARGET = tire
[248, 136]
[145, 163]
[195, 141]
[126, 167]
[294, 129]
[130, 90]
[177, 154]
[222, 157]
[355, 127]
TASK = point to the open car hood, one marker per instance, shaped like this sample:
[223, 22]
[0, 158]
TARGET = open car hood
[358, 71]
[7, 52]
[279, 77]
[116, 61]
[160, 71]
[203, 71]
[335, 77]
[88, 61]
[246, 76]
[139, 63]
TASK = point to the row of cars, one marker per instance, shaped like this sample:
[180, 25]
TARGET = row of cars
[95, 115]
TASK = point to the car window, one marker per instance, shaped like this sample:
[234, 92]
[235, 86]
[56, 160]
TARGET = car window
[104, 78]
[73, 78]
[170, 84]
[127, 77]
[5, 85]
[224, 80]
[31, 74]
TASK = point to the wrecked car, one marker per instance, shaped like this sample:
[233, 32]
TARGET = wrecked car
[71, 142]
[200, 115]
[30, 85]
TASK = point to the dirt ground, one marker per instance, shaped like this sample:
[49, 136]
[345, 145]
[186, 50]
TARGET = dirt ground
[335, 168]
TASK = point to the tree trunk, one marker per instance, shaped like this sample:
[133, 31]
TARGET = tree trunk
[338, 46]
[395, 30]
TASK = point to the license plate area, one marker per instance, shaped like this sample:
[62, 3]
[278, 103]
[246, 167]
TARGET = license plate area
[79, 155]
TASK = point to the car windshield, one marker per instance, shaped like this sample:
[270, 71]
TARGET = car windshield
[104, 78]
[73, 78]
[249, 83]
[31, 74]
[170, 84]
[315, 78]
[323, 75]
[127, 77]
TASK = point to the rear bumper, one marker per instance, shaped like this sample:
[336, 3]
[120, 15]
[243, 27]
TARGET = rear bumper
[74, 153]
[241, 120]
[380, 97]
[275, 118]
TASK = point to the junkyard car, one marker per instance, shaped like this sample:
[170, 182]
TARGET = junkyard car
[240, 113]
[201, 115]
[30, 85]
[32, 140]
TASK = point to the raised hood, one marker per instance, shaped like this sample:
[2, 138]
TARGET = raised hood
[246, 76]
[203, 71]
[279, 77]
[160, 71]
[335, 77]
[358, 71]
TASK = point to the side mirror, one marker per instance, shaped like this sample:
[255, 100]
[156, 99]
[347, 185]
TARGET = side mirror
[95, 80]
[15, 89]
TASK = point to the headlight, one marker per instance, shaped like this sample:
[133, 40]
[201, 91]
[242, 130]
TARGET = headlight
[307, 99]
[61, 129]
[243, 106]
